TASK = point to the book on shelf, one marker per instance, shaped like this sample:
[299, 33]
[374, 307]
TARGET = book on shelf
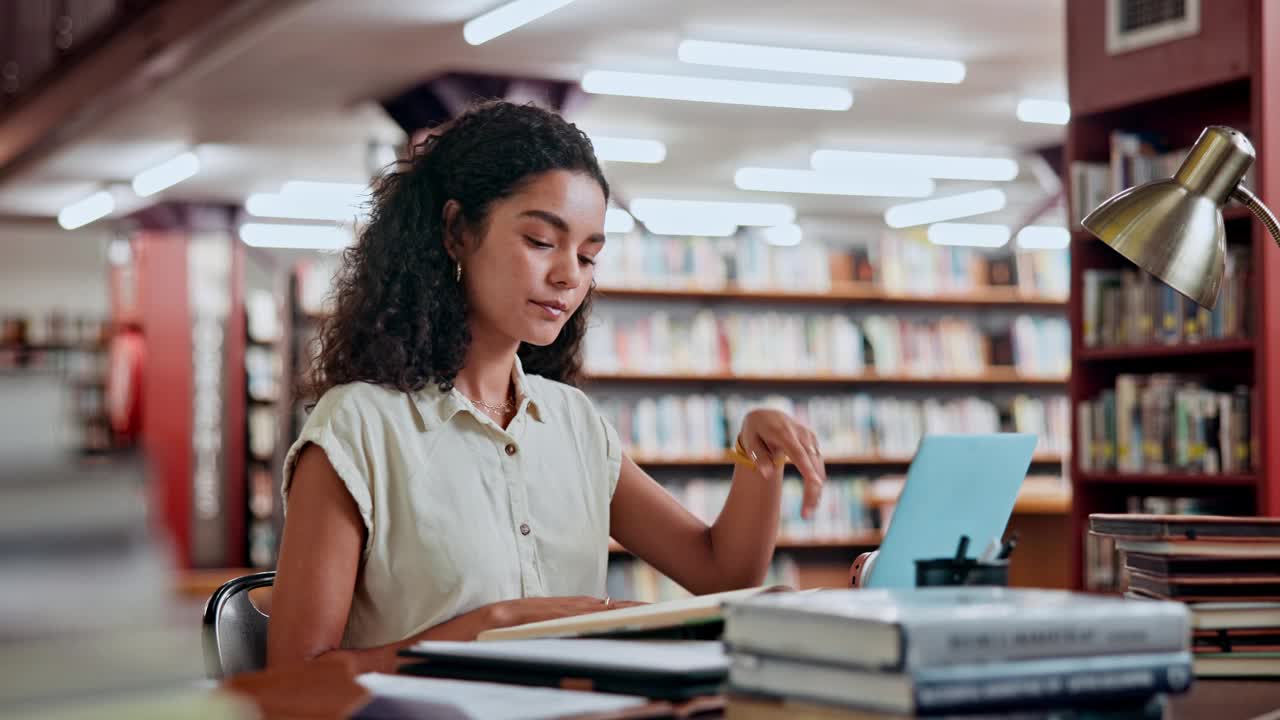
[1128, 307]
[854, 425]
[895, 630]
[774, 343]
[893, 262]
[841, 512]
[1166, 423]
[1136, 157]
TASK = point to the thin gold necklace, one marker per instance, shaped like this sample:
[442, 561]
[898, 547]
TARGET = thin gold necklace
[503, 408]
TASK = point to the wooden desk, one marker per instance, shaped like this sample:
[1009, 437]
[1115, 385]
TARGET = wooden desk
[328, 689]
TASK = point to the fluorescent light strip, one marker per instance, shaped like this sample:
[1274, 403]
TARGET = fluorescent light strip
[823, 183]
[289, 207]
[82, 212]
[295, 237]
[820, 62]
[691, 226]
[635, 150]
[946, 208]
[1043, 237]
[969, 234]
[351, 192]
[505, 18]
[166, 174]
[733, 92]
[941, 167]
[783, 235]
[1049, 112]
[617, 220]
[735, 213]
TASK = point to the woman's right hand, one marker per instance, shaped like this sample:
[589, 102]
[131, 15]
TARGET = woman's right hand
[526, 610]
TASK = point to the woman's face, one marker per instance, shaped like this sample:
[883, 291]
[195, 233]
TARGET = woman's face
[534, 266]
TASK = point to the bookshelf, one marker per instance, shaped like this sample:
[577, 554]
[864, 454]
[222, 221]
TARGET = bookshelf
[845, 294]
[1226, 74]
[834, 461]
[994, 375]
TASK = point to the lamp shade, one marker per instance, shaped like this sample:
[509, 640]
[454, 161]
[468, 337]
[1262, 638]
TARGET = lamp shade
[1173, 228]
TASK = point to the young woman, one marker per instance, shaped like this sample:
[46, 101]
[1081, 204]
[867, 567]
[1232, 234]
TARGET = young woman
[451, 477]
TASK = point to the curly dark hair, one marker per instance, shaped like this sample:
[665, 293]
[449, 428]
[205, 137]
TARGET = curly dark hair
[400, 316]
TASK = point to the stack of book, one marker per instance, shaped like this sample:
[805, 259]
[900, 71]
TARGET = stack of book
[891, 653]
[1226, 569]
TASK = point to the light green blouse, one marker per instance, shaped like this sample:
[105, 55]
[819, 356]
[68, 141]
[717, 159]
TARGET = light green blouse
[459, 512]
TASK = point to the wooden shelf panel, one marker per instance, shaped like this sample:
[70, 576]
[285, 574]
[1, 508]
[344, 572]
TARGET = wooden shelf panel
[1126, 352]
[831, 460]
[1116, 478]
[840, 295]
[1035, 498]
[865, 539]
[993, 376]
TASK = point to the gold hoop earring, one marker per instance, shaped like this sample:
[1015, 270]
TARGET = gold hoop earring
[457, 275]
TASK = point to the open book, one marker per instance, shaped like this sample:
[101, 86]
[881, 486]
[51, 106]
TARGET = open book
[697, 617]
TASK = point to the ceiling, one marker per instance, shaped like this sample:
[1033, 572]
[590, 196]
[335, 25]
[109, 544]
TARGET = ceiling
[296, 99]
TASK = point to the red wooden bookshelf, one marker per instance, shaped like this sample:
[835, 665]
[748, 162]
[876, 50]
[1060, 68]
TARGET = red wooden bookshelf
[1228, 74]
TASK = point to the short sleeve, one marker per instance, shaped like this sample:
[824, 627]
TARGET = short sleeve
[334, 425]
[612, 454]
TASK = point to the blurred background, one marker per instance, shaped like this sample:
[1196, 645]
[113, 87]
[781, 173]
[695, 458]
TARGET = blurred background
[865, 213]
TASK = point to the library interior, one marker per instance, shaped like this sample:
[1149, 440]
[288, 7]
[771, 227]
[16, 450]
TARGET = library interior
[915, 360]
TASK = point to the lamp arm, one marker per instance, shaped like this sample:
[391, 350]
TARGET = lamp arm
[1245, 197]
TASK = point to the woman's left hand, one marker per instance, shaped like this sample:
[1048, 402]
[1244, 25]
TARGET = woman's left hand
[771, 438]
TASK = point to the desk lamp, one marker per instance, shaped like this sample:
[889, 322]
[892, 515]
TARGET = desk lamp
[1173, 228]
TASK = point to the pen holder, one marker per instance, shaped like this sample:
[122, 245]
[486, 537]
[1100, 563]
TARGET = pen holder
[962, 571]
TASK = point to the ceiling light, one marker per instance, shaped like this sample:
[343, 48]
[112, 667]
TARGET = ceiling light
[824, 183]
[636, 150]
[945, 208]
[1043, 237]
[970, 234]
[783, 235]
[941, 167]
[736, 213]
[1052, 112]
[691, 226]
[820, 62]
[505, 18]
[166, 174]
[617, 220]
[295, 237]
[288, 207]
[734, 92]
[83, 212]
[353, 192]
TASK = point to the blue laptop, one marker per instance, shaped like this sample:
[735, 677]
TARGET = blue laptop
[957, 485]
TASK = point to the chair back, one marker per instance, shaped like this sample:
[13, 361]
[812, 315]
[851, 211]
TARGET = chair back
[235, 632]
